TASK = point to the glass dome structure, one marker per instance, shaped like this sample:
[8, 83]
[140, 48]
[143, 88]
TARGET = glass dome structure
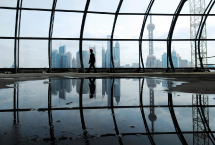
[57, 34]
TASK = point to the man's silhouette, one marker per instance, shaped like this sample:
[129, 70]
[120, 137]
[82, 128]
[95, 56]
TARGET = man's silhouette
[92, 87]
[92, 61]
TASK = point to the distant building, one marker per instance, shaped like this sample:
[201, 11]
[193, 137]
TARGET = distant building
[61, 59]
[164, 60]
[158, 63]
[85, 56]
[73, 63]
[135, 65]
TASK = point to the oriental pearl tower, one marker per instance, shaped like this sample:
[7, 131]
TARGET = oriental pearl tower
[150, 62]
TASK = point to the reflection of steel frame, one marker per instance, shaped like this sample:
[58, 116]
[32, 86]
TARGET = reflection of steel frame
[202, 31]
[200, 109]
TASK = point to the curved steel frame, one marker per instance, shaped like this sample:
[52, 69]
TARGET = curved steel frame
[141, 35]
[50, 35]
[112, 33]
[17, 34]
[81, 34]
[169, 38]
[200, 30]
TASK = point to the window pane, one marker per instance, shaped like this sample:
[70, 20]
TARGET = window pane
[35, 24]
[137, 6]
[71, 4]
[182, 28]
[181, 53]
[129, 54]
[210, 53]
[128, 27]
[98, 26]
[8, 3]
[210, 27]
[104, 5]
[160, 28]
[165, 6]
[46, 4]
[67, 25]
[7, 53]
[33, 54]
[155, 58]
[7, 23]
[65, 54]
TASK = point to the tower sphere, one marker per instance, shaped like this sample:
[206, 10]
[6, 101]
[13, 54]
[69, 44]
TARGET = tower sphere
[152, 117]
[151, 27]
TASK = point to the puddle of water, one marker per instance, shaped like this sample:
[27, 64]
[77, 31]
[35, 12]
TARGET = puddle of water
[114, 111]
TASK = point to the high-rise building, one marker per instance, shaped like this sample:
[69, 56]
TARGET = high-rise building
[175, 59]
[164, 60]
[103, 58]
[69, 60]
[73, 63]
[116, 55]
[108, 55]
[85, 56]
[62, 50]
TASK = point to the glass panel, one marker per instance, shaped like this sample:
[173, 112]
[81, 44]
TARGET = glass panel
[182, 28]
[137, 6]
[10, 3]
[105, 125]
[71, 4]
[104, 5]
[65, 54]
[181, 54]
[98, 26]
[128, 26]
[155, 57]
[33, 54]
[128, 52]
[170, 6]
[129, 120]
[47, 4]
[160, 27]
[7, 22]
[35, 24]
[211, 54]
[186, 8]
[67, 25]
[6, 98]
[210, 27]
[30, 97]
[7, 53]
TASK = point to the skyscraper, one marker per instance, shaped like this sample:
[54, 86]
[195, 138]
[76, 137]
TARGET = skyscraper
[73, 63]
[164, 60]
[62, 50]
[108, 63]
[116, 55]
[85, 56]
[69, 60]
[103, 58]
[150, 62]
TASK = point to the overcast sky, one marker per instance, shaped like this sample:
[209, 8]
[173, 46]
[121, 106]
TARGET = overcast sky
[34, 53]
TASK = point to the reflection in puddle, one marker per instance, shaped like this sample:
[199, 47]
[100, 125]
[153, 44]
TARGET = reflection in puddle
[99, 111]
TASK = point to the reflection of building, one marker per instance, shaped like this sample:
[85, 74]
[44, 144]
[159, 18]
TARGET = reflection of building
[151, 83]
[61, 59]
[106, 55]
[62, 86]
[86, 87]
[106, 89]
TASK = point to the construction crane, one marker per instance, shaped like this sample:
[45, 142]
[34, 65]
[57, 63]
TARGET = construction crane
[197, 7]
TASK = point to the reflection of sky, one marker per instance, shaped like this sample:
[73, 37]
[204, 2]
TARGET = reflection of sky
[67, 123]
[67, 25]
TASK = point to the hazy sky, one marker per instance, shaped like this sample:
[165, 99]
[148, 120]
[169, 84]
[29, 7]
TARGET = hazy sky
[34, 53]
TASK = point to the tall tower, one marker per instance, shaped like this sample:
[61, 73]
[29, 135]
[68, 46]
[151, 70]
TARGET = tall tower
[197, 7]
[150, 62]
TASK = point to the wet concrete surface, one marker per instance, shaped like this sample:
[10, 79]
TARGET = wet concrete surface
[114, 109]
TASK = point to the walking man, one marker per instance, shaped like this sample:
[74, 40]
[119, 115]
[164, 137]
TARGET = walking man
[92, 61]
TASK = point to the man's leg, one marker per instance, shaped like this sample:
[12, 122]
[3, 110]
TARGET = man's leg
[89, 68]
[94, 68]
